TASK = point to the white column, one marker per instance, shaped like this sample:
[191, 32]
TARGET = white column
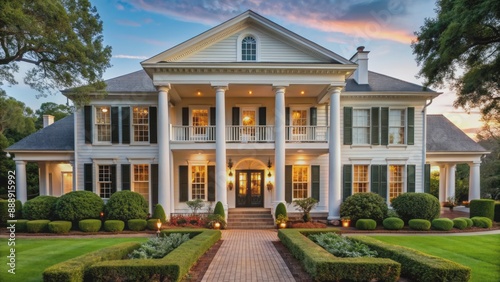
[73, 165]
[442, 183]
[43, 186]
[21, 187]
[451, 181]
[220, 145]
[279, 158]
[164, 189]
[334, 161]
[474, 183]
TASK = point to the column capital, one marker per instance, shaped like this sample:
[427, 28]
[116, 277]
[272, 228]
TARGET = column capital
[280, 86]
[334, 89]
[18, 162]
[219, 86]
[164, 87]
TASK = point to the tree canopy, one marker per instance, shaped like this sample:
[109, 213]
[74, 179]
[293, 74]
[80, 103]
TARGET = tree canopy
[61, 39]
[59, 111]
[461, 46]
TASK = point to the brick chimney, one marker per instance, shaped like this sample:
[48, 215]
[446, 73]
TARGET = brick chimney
[47, 120]
[361, 58]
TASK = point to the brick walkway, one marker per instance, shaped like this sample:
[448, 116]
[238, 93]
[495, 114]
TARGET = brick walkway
[248, 255]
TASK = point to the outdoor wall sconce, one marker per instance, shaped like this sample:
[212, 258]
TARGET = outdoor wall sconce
[230, 184]
[269, 184]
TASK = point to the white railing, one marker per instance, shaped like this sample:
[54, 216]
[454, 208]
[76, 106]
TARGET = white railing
[306, 133]
[184, 133]
[249, 134]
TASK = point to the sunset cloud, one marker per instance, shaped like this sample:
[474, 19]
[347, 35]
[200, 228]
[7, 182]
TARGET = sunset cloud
[132, 57]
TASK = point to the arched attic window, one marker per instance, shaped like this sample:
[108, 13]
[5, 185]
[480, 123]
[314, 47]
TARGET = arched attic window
[249, 48]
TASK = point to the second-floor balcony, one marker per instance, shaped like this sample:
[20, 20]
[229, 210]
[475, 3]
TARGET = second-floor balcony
[248, 134]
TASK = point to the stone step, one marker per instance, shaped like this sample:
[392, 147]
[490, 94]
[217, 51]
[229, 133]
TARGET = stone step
[256, 216]
[244, 220]
[250, 226]
[250, 218]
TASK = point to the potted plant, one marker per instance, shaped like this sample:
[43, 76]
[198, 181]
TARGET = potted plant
[346, 221]
[281, 221]
[450, 203]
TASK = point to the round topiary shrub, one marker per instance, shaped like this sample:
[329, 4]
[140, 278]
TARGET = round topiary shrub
[280, 210]
[482, 207]
[159, 213]
[21, 225]
[60, 226]
[41, 207]
[419, 224]
[459, 223]
[78, 205]
[364, 205]
[444, 224]
[90, 225]
[416, 205]
[151, 224]
[468, 221]
[37, 226]
[393, 223]
[366, 224]
[219, 209]
[125, 205]
[114, 225]
[482, 222]
[137, 224]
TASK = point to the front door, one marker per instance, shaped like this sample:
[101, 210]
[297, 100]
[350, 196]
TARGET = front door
[249, 188]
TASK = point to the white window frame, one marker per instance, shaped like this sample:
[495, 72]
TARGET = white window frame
[191, 165]
[243, 131]
[96, 125]
[308, 181]
[132, 180]
[403, 188]
[239, 49]
[405, 127]
[354, 139]
[192, 129]
[98, 182]
[132, 125]
[299, 136]
[368, 178]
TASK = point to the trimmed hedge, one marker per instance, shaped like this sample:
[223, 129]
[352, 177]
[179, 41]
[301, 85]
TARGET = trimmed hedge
[468, 220]
[366, 224]
[74, 269]
[21, 225]
[417, 265]
[125, 205]
[393, 223]
[482, 207]
[60, 226]
[323, 266]
[7, 207]
[37, 226]
[114, 225]
[137, 224]
[151, 224]
[444, 224]
[364, 205]
[172, 267]
[78, 205]
[497, 212]
[482, 222]
[41, 207]
[419, 224]
[90, 225]
[459, 223]
[159, 213]
[416, 205]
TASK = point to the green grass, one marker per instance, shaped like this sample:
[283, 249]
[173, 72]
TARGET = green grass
[480, 253]
[34, 255]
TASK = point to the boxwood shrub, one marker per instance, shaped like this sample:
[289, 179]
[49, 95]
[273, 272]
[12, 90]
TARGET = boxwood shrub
[497, 212]
[159, 213]
[219, 209]
[419, 224]
[60, 226]
[482, 207]
[482, 222]
[21, 224]
[137, 224]
[90, 225]
[366, 224]
[125, 205]
[41, 207]
[416, 205]
[7, 207]
[444, 224]
[468, 221]
[364, 205]
[151, 224]
[393, 223]
[280, 210]
[459, 223]
[78, 205]
[37, 226]
[114, 225]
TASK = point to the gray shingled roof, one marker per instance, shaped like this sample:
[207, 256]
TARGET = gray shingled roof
[58, 136]
[444, 136]
[382, 83]
[137, 81]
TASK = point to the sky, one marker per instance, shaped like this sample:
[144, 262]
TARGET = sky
[139, 29]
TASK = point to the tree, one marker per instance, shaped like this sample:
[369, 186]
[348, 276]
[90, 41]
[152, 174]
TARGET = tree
[489, 138]
[60, 38]
[462, 46]
[59, 111]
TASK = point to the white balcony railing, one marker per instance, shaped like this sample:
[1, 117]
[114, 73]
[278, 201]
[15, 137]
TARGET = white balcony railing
[184, 133]
[249, 134]
[306, 133]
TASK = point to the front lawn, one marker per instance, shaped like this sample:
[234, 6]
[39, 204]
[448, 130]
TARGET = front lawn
[33, 256]
[480, 253]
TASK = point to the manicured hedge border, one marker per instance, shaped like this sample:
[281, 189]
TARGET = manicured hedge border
[323, 266]
[172, 267]
[74, 269]
[417, 265]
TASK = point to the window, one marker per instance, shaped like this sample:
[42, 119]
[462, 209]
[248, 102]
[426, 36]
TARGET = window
[249, 49]
[141, 180]
[104, 183]
[360, 179]
[299, 121]
[396, 126]
[300, 181]
[396, 180]
[248, 122]
[198, 182]
[361, 126]
[140, 124]
[103, 123]
[199, 121]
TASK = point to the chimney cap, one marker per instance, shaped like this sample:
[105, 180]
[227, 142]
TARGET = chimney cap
[360, 48]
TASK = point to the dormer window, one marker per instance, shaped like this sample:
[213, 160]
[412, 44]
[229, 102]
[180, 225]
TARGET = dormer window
[249, 49]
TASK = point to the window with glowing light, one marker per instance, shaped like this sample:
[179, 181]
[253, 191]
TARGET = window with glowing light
[396, 180]
[248, 122]
[199, 121]
[299, 121]
[140, 124]
[141, 180]
[300, 181]
[198, 182]
[103, 123]
[360, 179]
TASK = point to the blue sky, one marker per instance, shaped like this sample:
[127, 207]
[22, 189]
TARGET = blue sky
[139, 29]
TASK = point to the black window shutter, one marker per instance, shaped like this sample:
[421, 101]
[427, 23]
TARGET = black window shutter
[87, 115]
[288, 184]
[410, 176]
[411, 126]
[126, 125]
[382, 191]
[153, 126]
[236, 116]
[154, 185]
[384, 129]
[427, 176]
[375, 126]
[262, 115]
[375, 179]
[315, 179]
[347, 177]
[115, 137]
[211, 182]
[185, 122]
[183, 183]
[347, 126]
[113, 179]
[313, 116]
[88, 177]
[213, 118]
[287, 123]
[125, 177]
